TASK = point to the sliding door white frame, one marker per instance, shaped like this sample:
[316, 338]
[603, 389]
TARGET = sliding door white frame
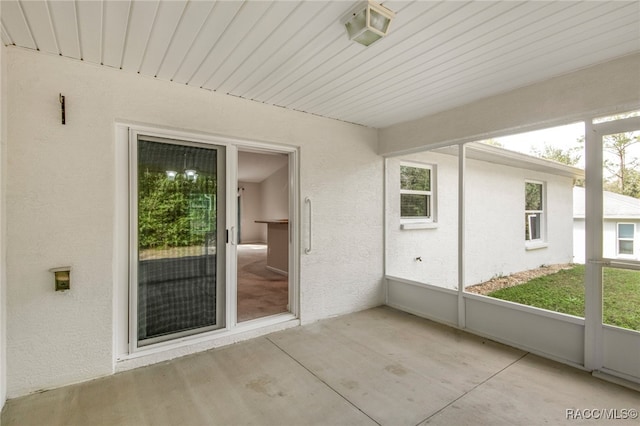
[124, 354]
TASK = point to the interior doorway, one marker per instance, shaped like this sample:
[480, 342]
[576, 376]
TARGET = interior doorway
[263, 243]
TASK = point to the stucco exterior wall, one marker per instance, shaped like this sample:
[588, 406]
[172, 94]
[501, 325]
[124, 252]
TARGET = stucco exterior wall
[60, 205]
[437, 247]
[494, 223]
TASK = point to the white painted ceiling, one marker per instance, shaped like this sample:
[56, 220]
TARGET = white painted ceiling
[296, 54]
[257, 166]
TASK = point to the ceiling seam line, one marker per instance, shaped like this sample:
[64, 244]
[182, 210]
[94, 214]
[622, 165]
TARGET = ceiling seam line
[26, 22]
[193, 40]
[363, 51]
[328, 98]
[173, 35]
[277, 50]
[6, 34]
[78, 36]
[146, 45]
[323, 48]
[125, 36]
[224, 31]
[431, 82]
[417, 99]
[102, 29]
[316, 36]
[411, 36]
[261, 43]
[52, 26]
[244, 37]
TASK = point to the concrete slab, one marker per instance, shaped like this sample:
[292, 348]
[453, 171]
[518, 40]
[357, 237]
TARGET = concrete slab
[391, 365]
[537, 391]
[248, 383]
[378, 366]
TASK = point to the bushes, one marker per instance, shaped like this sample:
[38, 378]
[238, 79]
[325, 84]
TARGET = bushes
[174, 213]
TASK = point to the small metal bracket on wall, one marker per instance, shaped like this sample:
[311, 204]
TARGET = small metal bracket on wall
[62, 108]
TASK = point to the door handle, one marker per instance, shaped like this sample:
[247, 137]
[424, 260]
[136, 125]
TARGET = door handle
[307, 250]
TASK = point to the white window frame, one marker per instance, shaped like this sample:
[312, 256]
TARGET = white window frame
[632, 239]
[431, 195]
[537, 242]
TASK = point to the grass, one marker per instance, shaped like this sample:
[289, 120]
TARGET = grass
[563, 292]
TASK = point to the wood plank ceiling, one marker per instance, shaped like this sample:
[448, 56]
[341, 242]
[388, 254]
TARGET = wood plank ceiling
[296, 54]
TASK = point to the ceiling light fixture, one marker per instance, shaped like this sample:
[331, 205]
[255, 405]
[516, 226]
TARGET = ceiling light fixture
[368, 22]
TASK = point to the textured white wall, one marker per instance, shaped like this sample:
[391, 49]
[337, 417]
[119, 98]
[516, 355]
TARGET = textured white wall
[252, 232]
[604, 88]
[495, 228]
[60, 205]
[494, 223]
[275, 194]
[438, 247]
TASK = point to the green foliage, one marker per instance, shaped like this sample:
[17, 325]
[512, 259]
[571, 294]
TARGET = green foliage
[625, 178]
[533, 196]
[415, 178]
[492, 142]
[166, 212]
[570, 156]
[564, 292]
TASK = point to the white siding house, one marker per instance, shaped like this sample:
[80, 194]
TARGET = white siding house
[621, 226]
[497, 241]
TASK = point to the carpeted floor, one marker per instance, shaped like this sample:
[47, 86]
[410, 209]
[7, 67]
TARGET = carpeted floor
[261, 292]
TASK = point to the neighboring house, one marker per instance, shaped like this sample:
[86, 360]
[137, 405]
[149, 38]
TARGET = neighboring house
[518, 214]
[621, 227]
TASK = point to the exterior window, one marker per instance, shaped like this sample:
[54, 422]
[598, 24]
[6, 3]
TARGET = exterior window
[534, 211]
[626, 233]
[416, 192]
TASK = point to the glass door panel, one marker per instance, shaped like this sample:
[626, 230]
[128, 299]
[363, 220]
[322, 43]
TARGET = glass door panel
[178, 222]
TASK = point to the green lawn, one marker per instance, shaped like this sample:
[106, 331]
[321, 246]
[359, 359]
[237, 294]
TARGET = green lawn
[564, 292]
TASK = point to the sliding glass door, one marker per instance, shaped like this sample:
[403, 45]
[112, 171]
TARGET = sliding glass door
[178, 236]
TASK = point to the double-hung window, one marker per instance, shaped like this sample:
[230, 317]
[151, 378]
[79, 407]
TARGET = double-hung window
[626, 233]
[534, 216]
[417, 192]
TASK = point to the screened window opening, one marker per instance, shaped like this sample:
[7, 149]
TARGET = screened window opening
[416, 195]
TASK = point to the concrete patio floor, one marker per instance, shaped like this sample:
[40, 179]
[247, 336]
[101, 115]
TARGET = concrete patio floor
[378, 366]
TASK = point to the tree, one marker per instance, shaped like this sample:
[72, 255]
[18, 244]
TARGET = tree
[493, 142]
[174, 213]
[624, 176]
[570, 156]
